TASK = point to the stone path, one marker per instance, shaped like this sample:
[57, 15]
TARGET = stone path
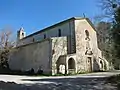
[92, 81]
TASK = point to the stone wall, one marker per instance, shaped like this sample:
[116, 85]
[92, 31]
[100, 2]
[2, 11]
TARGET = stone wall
[72, 37]
[59, 48]
[36, 55]
[82, 41]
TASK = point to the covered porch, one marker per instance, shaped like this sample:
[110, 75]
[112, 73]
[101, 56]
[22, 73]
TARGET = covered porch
[66, 64]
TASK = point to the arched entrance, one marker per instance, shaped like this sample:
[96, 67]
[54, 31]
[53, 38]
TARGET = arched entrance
[71, 65]
[89, 63]
[101, 65]
[61, 65]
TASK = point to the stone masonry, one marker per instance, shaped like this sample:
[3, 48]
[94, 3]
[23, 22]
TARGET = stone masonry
[66, 47]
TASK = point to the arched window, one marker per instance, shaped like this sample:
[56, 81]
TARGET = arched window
[87, 33]
[102, 66]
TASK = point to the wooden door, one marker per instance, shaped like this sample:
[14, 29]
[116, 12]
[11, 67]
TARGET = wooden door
[89, 63]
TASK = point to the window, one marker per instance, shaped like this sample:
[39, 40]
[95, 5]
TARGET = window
[59, 32]
[33, 40]
[44, 36]
[22, 34]
[87, 33]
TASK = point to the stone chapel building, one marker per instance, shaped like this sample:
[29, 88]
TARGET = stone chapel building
[69, 46]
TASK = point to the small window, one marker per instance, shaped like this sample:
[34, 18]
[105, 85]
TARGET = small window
[44, 36]
[100, 62]
[33, 40]
[87, 33]
[59, 32]
[22, 34]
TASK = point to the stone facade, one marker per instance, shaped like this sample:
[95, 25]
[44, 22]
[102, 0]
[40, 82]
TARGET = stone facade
[59, 48]
[67, 47]
[87, 51]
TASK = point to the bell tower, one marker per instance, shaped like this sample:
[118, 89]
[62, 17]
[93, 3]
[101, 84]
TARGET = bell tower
[20, 33]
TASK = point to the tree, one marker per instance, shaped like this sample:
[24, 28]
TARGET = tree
[116, 36]
[111, 10]
[104, 39]
[6, 44]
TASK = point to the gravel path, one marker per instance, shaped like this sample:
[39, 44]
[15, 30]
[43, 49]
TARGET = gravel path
[93, 81]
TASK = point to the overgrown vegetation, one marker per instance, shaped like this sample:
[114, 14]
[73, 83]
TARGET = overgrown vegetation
[111, 9]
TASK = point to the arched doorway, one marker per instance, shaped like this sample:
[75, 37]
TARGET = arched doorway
[71, 66]
[61, 65]
[101, 64]
[71, 63]
[89, 64]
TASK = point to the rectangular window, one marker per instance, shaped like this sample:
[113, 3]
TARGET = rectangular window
[59, 32]
[33, 40]
[44, 36]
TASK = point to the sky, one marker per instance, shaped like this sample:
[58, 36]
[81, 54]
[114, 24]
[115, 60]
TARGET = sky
[34, 15]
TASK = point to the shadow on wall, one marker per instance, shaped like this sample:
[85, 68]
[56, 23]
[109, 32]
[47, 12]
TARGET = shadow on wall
[96, 66]
[19, 72]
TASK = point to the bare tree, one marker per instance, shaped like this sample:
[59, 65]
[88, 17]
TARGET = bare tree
[111, 12]
[6, 44]
[108, 8]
